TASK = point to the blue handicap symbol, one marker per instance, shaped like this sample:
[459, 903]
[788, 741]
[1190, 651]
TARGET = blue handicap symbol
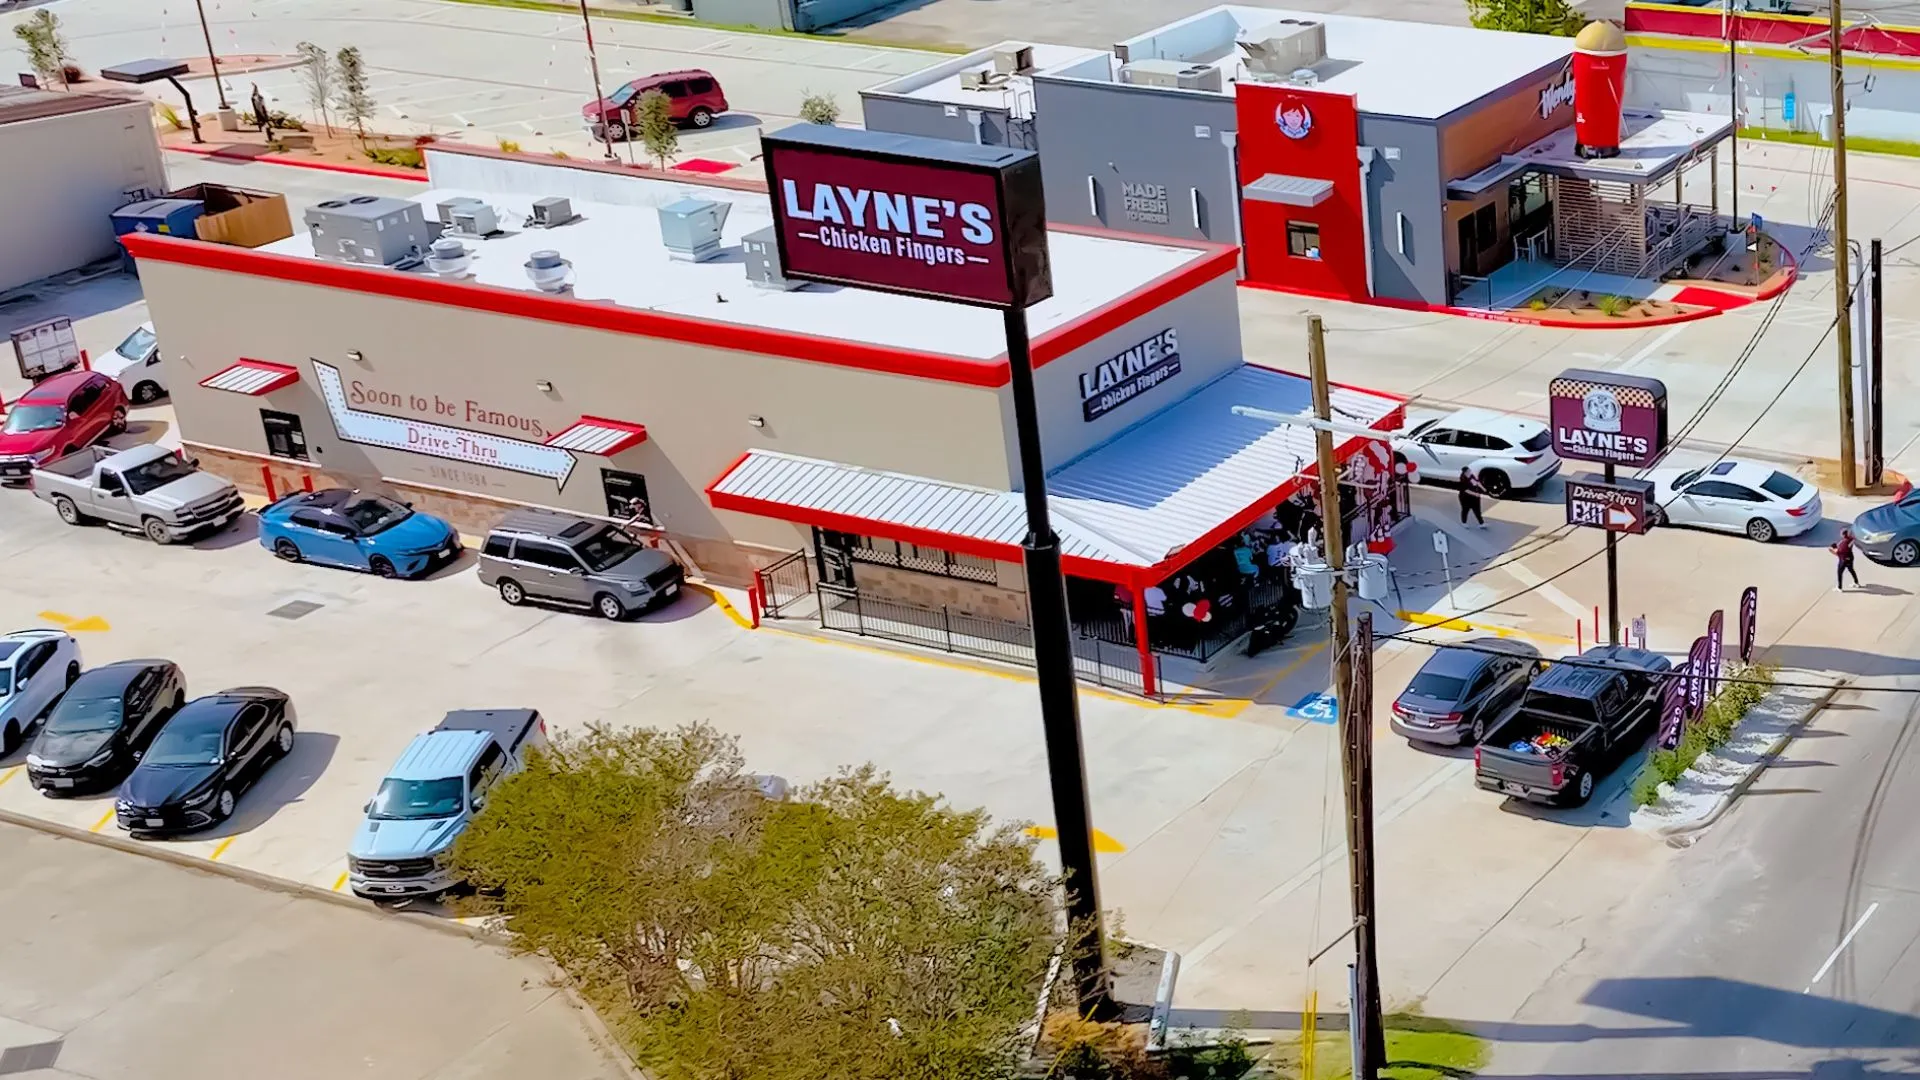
[1316, 708]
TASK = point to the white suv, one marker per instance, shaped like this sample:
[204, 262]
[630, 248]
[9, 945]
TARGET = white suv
[1507, 453]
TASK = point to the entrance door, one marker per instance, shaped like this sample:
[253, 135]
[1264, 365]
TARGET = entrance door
[626, 495]
[835, 553]
[1478, 235]
[284, 437]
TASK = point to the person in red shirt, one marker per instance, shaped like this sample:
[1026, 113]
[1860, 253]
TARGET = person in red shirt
[1843, 561]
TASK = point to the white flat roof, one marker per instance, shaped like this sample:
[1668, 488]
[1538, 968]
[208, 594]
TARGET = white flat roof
[941, 82]
[1419, 70]
[1653, 143]
[618, 256]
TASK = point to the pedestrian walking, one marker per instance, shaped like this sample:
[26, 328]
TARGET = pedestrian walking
[1470, 492]
[1843, 561]
[262, 118]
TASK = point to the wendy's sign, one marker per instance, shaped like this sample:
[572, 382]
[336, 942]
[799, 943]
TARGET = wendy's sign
[1601, 416]
[905, 214]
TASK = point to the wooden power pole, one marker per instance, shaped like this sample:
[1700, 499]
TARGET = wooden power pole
[1842, 257]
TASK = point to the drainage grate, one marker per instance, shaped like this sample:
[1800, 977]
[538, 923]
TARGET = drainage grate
[295, 609]
[26, 1059]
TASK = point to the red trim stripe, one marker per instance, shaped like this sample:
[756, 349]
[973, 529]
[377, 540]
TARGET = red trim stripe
[1170, 286]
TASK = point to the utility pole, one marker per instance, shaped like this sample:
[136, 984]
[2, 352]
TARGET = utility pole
[1842, 287]
[1356, 730]
[593, 60]
[207, 36]
[1876, 433]
[1733, 101]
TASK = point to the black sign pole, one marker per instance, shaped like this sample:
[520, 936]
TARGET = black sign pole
[1059, 700]
[1613, 579]
[1876, 432]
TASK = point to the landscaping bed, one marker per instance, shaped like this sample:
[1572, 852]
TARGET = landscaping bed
[1581, 305]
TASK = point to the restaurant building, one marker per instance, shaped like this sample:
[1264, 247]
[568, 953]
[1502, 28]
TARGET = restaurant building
[1354, 158]
[637, 354]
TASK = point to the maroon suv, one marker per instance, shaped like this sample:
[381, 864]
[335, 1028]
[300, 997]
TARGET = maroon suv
[695, 97]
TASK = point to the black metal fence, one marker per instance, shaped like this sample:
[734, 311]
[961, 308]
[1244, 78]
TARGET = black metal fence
[1176, 634]
[784, 583]
[1102, 663]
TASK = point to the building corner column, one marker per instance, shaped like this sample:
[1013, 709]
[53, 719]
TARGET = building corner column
[1148, 684]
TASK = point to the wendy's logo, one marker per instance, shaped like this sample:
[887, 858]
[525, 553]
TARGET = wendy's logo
[1294, 120]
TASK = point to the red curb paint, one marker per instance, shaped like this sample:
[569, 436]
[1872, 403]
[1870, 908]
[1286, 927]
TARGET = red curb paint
[1492, 316]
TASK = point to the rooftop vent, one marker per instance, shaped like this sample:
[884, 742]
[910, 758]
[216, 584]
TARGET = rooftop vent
[1153, 72]
[1014, 61]
[475, 218]
[1304, 77]
[690, 228]
[1200, 77]
[1284, 47]
[446, 207]
[548, 271]
[550, 212]
[763, 261]
[449, 258]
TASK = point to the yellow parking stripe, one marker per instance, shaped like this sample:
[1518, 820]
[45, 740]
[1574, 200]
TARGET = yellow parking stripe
[102, 823]
[1444, 622]
[7, 774]
[339, 881]
[720, 601]
[221, 849]
[1101, 841]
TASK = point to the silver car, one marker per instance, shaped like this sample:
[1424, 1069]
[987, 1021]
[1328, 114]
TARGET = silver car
[544, 555]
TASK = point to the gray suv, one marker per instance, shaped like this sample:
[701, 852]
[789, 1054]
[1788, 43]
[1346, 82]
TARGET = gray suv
[543, 555]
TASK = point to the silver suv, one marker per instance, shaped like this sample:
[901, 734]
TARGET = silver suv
[543, 555]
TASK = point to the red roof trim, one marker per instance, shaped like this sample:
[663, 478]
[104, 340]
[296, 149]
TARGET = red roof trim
[636, 433]
[286, 375]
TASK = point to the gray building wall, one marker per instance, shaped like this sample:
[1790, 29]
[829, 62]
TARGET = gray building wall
[933, 119]
[1408, 203]
[1120, 135]
[63, 176]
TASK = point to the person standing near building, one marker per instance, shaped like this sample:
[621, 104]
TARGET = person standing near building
[1843, 561]
[1470, 492]
[262, 119]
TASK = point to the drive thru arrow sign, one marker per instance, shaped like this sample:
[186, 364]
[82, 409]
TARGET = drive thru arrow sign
[438, 440]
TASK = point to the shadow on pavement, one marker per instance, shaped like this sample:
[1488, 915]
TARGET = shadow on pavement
[244, 530]
[284, 782]
[1846, 661]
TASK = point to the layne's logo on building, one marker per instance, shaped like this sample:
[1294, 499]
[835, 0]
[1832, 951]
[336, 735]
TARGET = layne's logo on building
[1559, 93]
[1117, 381]
[1294, 119]
[366, 428]
[1601, 416]
[901, 213]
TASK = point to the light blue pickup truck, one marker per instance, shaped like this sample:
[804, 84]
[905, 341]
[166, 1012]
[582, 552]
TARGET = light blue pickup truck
[439, 783]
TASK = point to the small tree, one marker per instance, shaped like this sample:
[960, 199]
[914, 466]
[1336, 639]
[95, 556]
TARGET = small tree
[819, 108]
[658, 134]
[1552, 17]
[356, 104]
[316, 76]
[47, 51]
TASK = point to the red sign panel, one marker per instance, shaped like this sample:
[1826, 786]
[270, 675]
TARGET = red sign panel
[897, 213]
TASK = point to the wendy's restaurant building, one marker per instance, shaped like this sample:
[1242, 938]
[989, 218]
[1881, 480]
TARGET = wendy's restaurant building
[1355, 158]
[578, 337]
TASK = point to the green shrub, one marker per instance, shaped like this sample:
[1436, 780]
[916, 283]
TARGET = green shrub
[407, 157]
[1537, 303]
[1610, 304]
[1716, 725]
[509, 146]
[171, 117]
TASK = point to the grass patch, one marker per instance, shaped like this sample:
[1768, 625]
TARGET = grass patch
[1710, 732]
[1418, 1048]
[681, 20]
[1855, 143]
[406, 157]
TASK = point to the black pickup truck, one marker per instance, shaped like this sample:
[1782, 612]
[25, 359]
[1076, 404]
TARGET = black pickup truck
[1574, 725]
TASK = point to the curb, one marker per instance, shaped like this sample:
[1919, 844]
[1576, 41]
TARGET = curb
[1484, 315]
[720, 601]
[1767, 758]
[416, 175]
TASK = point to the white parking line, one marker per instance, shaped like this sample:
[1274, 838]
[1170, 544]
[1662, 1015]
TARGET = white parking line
[1838, 949]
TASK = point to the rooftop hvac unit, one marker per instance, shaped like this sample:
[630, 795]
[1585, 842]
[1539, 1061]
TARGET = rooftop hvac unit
[1285, 47]
[374, 231]
[548, 271]
[763, 261]
[1014, 61]
[1154, 72]
[976, 80]
[1304, 77]
[550, 212]
[444, 210]
[690, 228]
[1200, 77]
[449, 258]
[475, 219]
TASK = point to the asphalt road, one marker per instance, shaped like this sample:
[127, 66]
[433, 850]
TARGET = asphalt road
[1785, 944]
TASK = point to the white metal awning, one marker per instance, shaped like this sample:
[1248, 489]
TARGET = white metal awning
[592, 435]
[252, 378]
[1289, 190]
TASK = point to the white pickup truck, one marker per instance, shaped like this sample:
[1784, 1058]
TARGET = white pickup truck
[148, 488]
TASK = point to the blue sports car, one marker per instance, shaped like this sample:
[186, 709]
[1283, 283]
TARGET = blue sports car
[359, 531]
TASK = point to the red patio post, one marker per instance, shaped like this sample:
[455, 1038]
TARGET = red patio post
[1147, 680]
[266, 477]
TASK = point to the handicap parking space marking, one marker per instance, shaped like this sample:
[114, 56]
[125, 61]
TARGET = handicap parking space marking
[1319, 707]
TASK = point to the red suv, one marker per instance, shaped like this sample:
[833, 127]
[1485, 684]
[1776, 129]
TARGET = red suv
[695, 97]
[57, 417]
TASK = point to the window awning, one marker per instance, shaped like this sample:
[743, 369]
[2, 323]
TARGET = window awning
[592, 435]
[1470, 187]
[1136, 508]
[252, 378]
[1289, 190]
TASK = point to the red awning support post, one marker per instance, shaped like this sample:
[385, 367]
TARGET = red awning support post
[1147, 681]
[753, 603]
[306, 481]
[266, 477]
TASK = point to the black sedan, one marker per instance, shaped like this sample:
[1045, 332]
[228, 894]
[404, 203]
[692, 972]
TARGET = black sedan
[1459, 693]
[103, 725]
[212, 750]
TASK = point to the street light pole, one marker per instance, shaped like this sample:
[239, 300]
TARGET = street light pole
[207, 35]
[593, 61]
[1059, 697]
[1733, 101]
[1843, 287]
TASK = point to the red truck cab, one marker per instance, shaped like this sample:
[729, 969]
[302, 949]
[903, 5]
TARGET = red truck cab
[58, 416]
[694, 95]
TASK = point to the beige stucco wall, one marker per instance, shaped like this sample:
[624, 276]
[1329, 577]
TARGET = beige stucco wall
[694, 400]
[62, 176]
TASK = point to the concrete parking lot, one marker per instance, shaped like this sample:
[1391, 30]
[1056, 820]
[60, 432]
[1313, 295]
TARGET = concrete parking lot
[124, 968]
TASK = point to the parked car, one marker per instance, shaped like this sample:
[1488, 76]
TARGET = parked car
[1459, 692]
[59, 416]
[1890, 533]
[438, 784]
[357, 530]
[694, 97]
[148, 488]
[1573, 726]
[103, 724]
[1736, 497]
[36, 667]
[207, 754]
[135, 365]
[1506, 453]
[544, 555]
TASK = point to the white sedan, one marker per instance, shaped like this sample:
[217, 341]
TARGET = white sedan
[1736, 497]
[1506, 453]
[36, 667]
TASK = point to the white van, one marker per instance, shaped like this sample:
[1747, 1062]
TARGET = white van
[135, 364]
